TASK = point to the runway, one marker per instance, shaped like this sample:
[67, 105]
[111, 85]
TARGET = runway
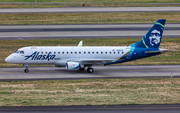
[86, 3]
[89, 10]
[55, 73]
[31, 32]
[171, 108]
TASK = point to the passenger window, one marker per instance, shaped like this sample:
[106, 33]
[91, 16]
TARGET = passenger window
[41, 52]
[106, 52]
[88, 52]
[118, 52]
[92, 52]
[49, 52]
[54, 52]
[71, 52]
[96, 52]
[67, 52]
[122, 52]
[75, 52]
[84, 52]
[58, 52]
[62, 52]
[101, 52]
[114, 52]
[79, 52]
[46, 52]
[109, 52]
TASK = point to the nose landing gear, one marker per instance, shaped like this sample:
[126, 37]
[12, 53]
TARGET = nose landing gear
[26, 70]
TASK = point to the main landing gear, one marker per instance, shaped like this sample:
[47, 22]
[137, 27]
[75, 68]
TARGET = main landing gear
[90, 70]
[26, 70]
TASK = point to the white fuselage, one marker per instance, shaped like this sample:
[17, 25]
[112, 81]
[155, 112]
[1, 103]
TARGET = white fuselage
[60, 55]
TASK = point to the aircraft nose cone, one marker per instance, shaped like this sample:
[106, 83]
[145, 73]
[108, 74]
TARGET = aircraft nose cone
[8, 59]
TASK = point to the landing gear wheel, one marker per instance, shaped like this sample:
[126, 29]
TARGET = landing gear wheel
[90, 70]
[26, 70]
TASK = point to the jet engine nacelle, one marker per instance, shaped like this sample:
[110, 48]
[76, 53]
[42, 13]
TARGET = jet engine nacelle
[72, 66]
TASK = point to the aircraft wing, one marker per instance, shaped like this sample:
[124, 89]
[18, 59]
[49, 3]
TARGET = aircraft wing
[158, 51]
[94, 61]
[80, 44]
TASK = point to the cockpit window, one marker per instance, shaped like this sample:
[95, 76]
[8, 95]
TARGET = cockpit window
[21, 52]
[17, 51]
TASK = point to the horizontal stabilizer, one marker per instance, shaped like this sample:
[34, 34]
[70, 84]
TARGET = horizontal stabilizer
[159, 51]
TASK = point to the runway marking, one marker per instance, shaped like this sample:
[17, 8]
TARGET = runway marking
[57, 71]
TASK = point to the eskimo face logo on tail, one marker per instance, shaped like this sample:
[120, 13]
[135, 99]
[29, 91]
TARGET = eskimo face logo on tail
[155, 37]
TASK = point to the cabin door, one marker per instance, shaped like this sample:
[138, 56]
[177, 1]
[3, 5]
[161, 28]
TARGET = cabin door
[33, 49]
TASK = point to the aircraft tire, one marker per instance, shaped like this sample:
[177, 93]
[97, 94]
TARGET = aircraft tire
[26, 70]
[90, 70]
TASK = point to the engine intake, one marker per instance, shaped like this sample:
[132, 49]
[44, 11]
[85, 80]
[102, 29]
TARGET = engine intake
[72, 66]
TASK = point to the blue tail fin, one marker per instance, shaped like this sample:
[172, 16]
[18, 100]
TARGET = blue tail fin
[153, 38]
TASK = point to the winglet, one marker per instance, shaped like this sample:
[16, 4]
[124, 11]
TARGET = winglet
[80, 44]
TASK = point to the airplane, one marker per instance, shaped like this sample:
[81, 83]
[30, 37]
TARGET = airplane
[79, 57]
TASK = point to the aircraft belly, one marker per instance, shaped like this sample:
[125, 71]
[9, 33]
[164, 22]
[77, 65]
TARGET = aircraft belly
[38, 62]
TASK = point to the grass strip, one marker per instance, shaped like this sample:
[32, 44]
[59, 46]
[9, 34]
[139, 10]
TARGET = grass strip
[123, 1]
[88, 18]
[90, 92]
[172, 57]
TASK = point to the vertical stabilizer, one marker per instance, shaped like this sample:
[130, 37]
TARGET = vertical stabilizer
[153, 38]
